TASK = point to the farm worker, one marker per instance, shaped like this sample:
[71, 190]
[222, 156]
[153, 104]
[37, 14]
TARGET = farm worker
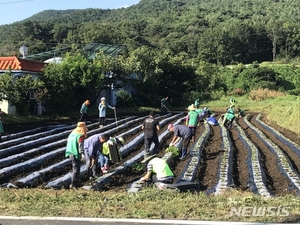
[230, 110]
[232, 102]
[212, 121]
[1, 128]
[192, 120]
[197, 103]
[104, 156]
[102, 111]
[163, 103]
[75, 149]
[241, 113]
[206, 111]
[228, 118]
[92, 148]
[180, 131]
[203, 113]
[158, 170]
[83, 111]
[199, 111]
[150, 127]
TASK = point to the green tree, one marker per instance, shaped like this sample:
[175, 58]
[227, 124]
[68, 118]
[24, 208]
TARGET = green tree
[16, 90]
[75, 80]
[210, 84]
[175, 76]
[140, 69]
[254, 77]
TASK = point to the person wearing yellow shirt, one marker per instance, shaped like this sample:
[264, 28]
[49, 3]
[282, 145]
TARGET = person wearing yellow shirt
[104, 156]
[158, 170]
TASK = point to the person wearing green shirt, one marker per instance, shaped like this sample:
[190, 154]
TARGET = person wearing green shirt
[199, 111]
[232, 102]
[229, 118]
[83, 111]
[158, 170]
[197, 103]
[163, 103]
[75, 150]
[192, 120]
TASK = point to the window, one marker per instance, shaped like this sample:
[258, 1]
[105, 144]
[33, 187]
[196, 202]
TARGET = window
[31, 95]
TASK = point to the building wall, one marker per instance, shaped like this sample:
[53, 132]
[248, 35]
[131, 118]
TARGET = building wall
[110, 96]
[4, 106]
[7, 108]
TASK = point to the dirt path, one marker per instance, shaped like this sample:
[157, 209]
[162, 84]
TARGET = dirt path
[240, 167]
[211, 153]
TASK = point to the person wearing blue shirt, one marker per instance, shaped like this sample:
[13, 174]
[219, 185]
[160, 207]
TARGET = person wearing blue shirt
[212, 121]
[102, 111]
[181, 131]
[92, 148]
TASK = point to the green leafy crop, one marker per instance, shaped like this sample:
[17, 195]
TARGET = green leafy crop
[174, 150]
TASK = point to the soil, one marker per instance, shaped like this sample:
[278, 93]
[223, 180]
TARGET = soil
[212, 151]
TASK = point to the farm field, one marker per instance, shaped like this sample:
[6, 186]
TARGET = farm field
[254, 156]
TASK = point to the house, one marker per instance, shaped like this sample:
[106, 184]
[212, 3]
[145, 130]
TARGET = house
[19, 67]
[35, 63]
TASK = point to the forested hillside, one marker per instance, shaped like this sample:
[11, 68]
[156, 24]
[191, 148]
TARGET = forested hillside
[216, 31]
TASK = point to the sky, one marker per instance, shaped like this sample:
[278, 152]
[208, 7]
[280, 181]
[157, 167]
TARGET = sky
[17, 10]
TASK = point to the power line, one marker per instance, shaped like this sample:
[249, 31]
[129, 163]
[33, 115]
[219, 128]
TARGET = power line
[6, 3]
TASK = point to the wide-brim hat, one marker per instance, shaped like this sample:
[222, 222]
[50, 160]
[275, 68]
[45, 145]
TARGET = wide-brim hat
[192, 107]
[81, 128]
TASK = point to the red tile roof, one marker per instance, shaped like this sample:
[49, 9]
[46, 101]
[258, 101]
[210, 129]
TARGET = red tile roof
[15, 63]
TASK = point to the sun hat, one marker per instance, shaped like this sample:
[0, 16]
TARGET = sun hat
[81, 128]
[192, 107]
[170, 126]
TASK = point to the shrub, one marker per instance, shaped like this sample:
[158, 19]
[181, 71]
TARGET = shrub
[295, 91]
[124, 99]
[217, 94]
[237, 92]
[190, 97]
[262, 94]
